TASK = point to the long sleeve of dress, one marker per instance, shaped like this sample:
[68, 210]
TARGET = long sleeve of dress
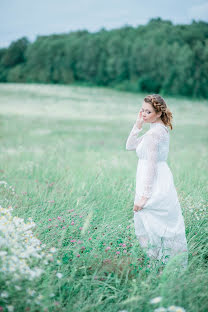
[133, 139]
[152, 141]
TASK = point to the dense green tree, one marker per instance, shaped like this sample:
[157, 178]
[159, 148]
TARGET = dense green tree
[3, 68]
[153, 58]
[15, 54]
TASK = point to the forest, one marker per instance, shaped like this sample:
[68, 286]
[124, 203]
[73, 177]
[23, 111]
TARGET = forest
[158, 57]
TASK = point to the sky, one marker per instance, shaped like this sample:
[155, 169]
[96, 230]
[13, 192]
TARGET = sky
[30, 18]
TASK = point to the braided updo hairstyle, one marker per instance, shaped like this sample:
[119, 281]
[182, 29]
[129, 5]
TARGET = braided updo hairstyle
[159, 105]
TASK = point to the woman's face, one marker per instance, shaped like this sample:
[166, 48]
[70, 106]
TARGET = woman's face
[149, 114]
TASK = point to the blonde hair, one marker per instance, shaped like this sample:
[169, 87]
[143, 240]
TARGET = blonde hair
[159, 105]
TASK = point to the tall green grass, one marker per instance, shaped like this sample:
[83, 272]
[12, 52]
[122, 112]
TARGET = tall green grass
[63, 149]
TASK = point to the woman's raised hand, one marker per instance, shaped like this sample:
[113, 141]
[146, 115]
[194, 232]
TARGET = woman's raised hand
[137, 208]
[139, 121]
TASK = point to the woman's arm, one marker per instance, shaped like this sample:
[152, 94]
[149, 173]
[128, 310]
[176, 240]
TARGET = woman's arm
[152, 141]
[133, 140]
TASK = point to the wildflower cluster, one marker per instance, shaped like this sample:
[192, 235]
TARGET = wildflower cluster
[171, 308]
[20, 251]
[22, 260]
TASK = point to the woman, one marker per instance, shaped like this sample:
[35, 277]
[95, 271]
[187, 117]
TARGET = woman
[158, 220]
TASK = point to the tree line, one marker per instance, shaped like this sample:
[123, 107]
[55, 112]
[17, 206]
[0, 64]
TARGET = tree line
[158, 57]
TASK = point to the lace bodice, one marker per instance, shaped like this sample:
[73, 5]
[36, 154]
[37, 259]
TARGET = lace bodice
[153, 146]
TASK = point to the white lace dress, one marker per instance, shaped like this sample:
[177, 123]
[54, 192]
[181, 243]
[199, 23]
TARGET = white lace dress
[159, 226]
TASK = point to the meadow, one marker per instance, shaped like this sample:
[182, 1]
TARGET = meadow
[63, 156]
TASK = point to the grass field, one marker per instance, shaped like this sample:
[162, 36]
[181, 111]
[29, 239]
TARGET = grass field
[63, 152]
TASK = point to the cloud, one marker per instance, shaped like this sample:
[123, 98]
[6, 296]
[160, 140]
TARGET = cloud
[199, 12]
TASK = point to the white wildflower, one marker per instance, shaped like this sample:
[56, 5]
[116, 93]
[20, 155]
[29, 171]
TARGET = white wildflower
[31, 292]
[53, 250]
[40, 297]
[52, 295]
[3, 182]
[180, 309]
[155, 300]
[176, 309]
[45, 261]
[161, 309]
[59, 275]
[3, 253]
[4, 294]
[17, 287]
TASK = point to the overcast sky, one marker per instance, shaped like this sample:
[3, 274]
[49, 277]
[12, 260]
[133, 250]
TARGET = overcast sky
[42, 17]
